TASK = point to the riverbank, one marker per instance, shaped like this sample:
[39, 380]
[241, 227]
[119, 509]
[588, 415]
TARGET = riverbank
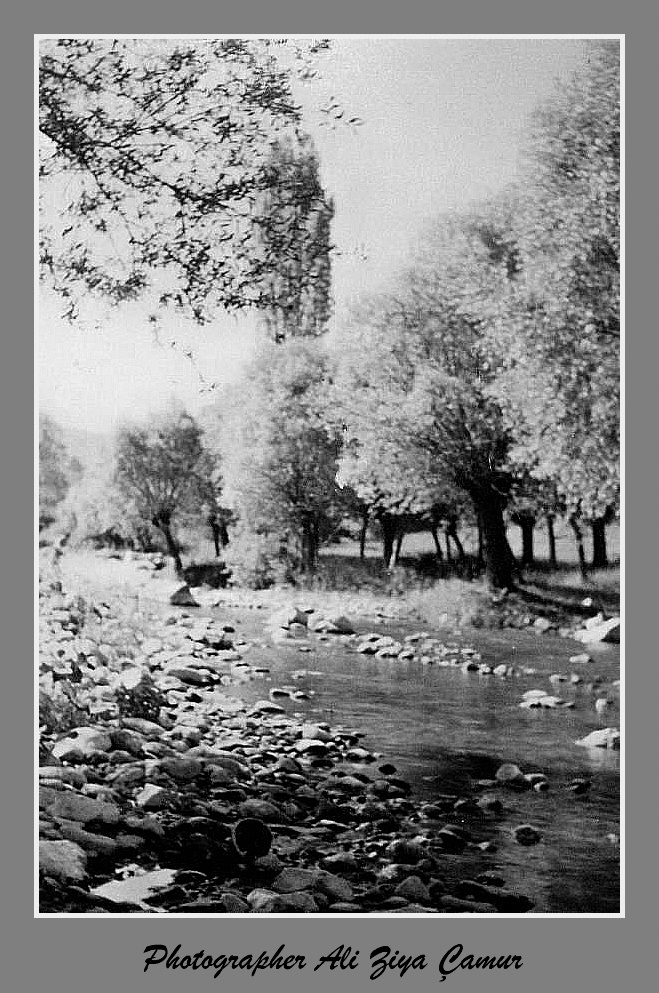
[140, 813]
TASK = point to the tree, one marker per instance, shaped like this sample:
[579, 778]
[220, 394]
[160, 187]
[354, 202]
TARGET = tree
[293, 220]
[280, 460]
[155, 157]
[530, 501]
[555, 331]
[57, 469]
[414, 380]
[165, 471]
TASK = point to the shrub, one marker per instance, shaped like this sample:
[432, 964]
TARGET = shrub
[143, 700]
[258, 561]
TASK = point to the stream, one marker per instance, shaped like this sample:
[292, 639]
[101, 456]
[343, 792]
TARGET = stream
[443, 728]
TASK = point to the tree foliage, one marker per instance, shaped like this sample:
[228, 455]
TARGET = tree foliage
[57, 469]
[280, 456]
[412, 388]
[293, 220]
[165, 471]
[158, 155]
[554, 331]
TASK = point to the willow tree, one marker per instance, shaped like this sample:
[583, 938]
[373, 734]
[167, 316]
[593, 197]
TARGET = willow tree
[413, 381]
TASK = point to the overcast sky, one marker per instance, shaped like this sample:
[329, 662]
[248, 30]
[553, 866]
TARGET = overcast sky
[443, 120]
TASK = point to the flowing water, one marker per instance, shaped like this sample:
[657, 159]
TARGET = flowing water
[443, 727]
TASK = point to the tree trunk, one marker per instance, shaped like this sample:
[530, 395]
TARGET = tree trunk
[172, 547]
[215, 528]
[399, 545]
[452, 533]
[309, 547]
[499, 561]
[552, 541]
[438, 547]
[578, 534]
[388, 538]
[527, 525]
[362, 533]
[480, 554]
[600, 558]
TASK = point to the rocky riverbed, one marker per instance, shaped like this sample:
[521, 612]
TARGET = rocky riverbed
[163, 791]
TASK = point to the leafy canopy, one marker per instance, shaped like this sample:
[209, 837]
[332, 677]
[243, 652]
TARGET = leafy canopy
[155, 156]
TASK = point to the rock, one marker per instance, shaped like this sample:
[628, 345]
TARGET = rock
[602, 704]
[261, 810]
[526, 834]
[183, 597]
[413, 889]
[405, 852]
[149, 729]
[63, 774]
[181, 769]
[542, 624]
[341, 862]
[602, 631]
[264, 901]
[333, 886]
[286, 616]
[301, 902]
[602, 738]
[265, 707]
[580, 659]
[359, 755]
[452, 904]
[294, 879]
[128, 741]
[451, 841]
[76, 807]
[337, 624]
[230, 763]
[505, 902]
[311, 746]
[544, 700]
[63, 860]
[82, 743]
[316, 732]
[509, 773]
[154, 797]
[579, 786]
[98, 844]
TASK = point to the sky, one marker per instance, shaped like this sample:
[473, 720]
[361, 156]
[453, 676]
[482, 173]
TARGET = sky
[443, 122]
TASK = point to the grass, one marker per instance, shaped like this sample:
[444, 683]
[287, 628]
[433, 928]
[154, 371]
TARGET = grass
[436, 593]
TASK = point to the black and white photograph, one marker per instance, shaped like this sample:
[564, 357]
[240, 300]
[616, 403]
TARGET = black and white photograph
[330, 528]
